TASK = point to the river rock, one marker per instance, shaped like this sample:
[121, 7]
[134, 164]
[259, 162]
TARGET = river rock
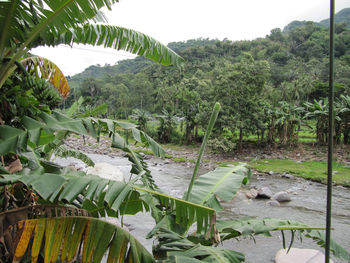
[300, 255]
[77, 166]
[294, 189]
[107, 171]
[281, 197]
[273, 203]
[252, 193]
[264, 192]
[288, 176]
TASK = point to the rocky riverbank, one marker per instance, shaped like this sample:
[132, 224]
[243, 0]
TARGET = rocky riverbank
[300, 153]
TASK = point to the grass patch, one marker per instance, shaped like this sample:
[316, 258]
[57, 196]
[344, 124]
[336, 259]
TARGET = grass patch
[316, 171]
[220, 163]
[183, 160]
[176, 147]
[145, 151]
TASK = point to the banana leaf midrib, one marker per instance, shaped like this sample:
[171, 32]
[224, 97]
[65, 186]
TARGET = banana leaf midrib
[213, 189]
[174, 198]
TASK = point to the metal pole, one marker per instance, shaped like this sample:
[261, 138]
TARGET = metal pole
[330, 132]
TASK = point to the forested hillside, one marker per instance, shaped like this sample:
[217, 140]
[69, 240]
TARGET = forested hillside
[267, 86]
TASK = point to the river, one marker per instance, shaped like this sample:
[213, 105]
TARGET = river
[308, 205]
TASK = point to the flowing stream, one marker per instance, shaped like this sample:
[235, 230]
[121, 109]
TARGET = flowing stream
[308, 205]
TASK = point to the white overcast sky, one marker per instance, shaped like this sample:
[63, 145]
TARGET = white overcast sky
[181, 20]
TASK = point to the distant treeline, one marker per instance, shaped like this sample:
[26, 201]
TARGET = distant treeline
[267, 87]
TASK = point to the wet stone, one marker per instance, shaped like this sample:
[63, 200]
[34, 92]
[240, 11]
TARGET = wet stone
[252, 193]
[274, 203]
[264, 192]
[281, 197]
[300, 255]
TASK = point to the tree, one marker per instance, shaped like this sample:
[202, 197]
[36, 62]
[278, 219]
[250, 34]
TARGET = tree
[239, 88]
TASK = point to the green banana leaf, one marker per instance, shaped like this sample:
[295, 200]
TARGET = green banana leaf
[253, 226]
[106, 196]
[173, 247]
[222, 183]
[13, 140]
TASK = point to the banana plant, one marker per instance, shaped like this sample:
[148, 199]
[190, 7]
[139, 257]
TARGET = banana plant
[31, 23]
[72, 238]
[102, 197]
[319, 111]
[343, 109]
[45, 69]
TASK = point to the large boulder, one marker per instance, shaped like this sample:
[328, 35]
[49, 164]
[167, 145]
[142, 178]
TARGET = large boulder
[264, 192]
[281, 197]
[107, 171]
[300, 255]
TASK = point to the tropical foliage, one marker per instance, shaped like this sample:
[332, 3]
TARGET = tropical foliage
[261, 84]
[50, 212]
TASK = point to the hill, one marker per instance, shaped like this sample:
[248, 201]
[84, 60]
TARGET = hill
[263, 85]
[343, 16]
[138, 64]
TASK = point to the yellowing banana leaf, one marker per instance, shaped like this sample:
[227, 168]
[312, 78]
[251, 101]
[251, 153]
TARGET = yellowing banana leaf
[61, 238]
[13, 216]
[46, 69]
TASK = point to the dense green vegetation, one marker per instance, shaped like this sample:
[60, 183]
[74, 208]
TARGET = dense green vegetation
[269, 88]
[51, 213]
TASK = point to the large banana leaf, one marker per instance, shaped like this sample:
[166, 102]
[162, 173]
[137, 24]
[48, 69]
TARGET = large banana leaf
[124, 39]
[27, 24]
[65, 153]
[13, 139]
[176, 248]
[252, 226]
[186, 212]
[13, 216]
[46, 69]
[62, 238]
[106, 196]
[223, 182]
[67, 185]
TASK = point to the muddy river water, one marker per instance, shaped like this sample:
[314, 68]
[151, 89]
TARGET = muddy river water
[308, 205]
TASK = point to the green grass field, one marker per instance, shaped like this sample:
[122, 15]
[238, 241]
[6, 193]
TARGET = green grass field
[312, 170]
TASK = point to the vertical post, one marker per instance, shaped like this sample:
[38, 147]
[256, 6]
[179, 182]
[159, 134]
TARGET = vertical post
[330, 132]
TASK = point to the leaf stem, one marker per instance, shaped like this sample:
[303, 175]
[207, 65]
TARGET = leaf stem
[212, 121]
